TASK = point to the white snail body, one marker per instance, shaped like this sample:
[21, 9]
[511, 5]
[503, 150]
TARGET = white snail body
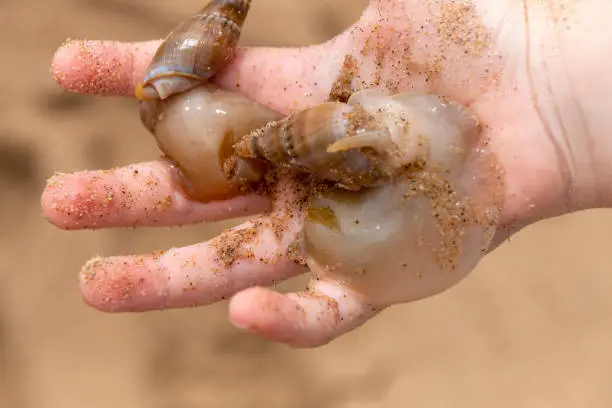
[433, 223]
[196, 130]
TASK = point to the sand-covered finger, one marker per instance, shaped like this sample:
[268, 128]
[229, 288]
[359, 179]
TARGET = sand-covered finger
[311, 318]
[144, 194]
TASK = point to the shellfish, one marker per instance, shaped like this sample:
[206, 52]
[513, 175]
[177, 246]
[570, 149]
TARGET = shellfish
[416, 196]
[195, 50]
[195, 122]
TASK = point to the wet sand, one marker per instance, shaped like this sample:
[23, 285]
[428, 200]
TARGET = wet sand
[529, 328]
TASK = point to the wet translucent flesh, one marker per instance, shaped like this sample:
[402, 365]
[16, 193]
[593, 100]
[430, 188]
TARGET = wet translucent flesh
[197, 129]
[403, 241]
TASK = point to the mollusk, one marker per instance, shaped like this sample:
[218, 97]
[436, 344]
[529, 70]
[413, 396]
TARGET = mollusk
[416, 196]
[195, 122]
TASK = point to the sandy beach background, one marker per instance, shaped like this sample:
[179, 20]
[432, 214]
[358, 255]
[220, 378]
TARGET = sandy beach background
[531, 327]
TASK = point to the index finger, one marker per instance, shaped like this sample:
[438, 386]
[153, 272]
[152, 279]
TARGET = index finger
[282, 78]
[105, 68]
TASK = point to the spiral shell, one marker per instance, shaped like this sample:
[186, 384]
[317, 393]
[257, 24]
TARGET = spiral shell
[302, 142]
[369, 141]
[196, 50]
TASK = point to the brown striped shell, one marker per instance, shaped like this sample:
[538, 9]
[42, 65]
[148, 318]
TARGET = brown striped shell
[369, 141]
[196, 50]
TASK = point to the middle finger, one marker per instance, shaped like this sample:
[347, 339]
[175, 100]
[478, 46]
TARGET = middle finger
[144, 194]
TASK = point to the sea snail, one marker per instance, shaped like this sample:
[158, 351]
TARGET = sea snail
[426, 229]
[417, 198]
[195, 122]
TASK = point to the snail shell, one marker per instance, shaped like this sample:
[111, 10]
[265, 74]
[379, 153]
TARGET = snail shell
[400, 241]
[196, 50]
[196, 123]
[367, 142]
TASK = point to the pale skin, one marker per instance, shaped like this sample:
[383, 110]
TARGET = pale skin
[535, 73]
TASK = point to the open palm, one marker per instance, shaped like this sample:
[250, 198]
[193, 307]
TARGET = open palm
[478, 55]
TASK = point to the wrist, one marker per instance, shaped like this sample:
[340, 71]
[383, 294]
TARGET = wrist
[554, 98]
[572, 87]
[587, 42]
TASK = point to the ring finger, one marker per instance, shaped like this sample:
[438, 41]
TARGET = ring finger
[258, 252]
